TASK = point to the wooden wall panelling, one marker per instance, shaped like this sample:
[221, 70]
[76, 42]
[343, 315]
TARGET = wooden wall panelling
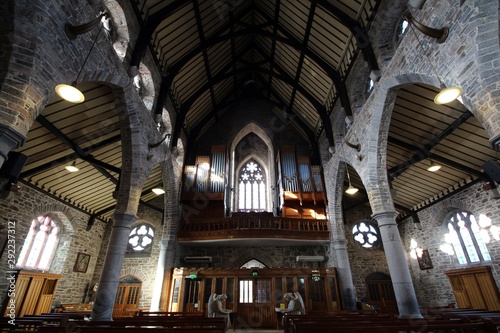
[475, 288]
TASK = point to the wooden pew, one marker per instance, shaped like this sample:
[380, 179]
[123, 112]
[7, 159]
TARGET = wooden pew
[141, 313]
[386, 327]
[97, 329]
[362, 323]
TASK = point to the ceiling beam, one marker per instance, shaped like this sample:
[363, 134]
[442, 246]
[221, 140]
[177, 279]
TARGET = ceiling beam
[206, 61]
[422, 154]
[362, 38]
[273, 43]
[290, 41]
[224, 75]
[63, 160]
[302, 50]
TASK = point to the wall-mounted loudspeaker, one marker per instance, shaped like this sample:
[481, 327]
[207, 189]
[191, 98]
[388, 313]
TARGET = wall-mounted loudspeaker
[492, 169]
[11, 168]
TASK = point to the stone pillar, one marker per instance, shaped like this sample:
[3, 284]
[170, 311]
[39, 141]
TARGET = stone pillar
[344, 274]
[160, 273]
[110, 276]
[398, 266]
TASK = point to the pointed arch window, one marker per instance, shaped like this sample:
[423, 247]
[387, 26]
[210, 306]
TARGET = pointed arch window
[252, 188]
[40, 244]
[467, 238]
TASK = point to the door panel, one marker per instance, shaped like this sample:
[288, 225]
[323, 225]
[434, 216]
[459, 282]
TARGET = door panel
[127, 300]
[255, 308]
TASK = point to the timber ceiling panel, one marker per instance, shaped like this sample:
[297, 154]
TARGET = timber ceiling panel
[296, 55]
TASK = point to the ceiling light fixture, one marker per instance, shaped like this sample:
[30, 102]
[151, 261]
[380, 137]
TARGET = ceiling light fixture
[69, 92]
[433, 167]
[72, 167]
[158, 190]
[351, 189]
[447, 94]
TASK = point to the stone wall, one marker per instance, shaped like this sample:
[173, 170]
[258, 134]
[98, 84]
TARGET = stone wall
[27, 204]
[431, 286]
[271, 256]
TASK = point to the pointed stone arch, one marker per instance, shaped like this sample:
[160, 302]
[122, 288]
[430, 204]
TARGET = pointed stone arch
[258, 254]
[256, 129]
[267, 173]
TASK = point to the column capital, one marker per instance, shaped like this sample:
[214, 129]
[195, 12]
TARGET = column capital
[122, 219]
[384, 218]
[164, 244]
[339, 243]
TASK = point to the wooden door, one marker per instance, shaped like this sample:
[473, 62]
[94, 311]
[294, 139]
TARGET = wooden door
[381, 293]
[255, 307]
[127, 298]
[191, 295]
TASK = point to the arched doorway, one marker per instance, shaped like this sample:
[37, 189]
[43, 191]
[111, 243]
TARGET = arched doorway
[127, 296]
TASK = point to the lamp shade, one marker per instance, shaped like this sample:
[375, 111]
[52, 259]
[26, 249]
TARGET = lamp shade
[158, 190]
[447, 95]
[433, 167]
[72, 167]
[70, 93]
[351, 190]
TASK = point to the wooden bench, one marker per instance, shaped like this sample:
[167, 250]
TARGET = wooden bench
[142, 313]
[111, 329]
[386, 327]
[82, 307]
[353, 323]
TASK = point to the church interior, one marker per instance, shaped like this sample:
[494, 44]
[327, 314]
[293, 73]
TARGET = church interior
[249, 160]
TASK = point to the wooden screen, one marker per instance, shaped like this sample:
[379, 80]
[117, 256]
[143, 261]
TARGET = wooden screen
[475, 288]
[254, 298]
[34, 292]
[127, 298]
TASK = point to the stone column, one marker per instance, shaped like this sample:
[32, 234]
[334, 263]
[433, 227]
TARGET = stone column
[344, 274]
[110, 276]
[398, 266]
[160, 273]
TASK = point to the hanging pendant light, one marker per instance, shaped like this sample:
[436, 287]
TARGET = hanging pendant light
[433, 166]
[447, 94]
[70, 92]
[158, 190]
[72, 167]
[351, 189]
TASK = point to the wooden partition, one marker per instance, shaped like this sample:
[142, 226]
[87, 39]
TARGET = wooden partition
[253, 294]
[475, 288]
[33, 293]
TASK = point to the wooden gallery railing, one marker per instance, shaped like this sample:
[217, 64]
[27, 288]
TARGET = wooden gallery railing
[258, 227]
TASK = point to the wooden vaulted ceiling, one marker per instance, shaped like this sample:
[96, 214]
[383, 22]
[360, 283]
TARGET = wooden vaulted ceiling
[294, 54]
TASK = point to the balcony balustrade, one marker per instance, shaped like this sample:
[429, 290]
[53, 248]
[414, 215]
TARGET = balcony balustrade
[254, 227]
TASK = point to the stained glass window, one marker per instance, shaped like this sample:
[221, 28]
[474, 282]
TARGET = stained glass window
[40, 244]
[467, 238]
[141, 238]
[366, 234]
[252, 188]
